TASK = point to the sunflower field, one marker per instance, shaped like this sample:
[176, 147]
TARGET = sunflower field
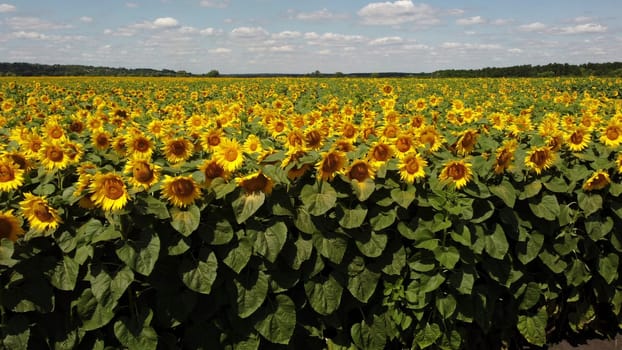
[229, 213]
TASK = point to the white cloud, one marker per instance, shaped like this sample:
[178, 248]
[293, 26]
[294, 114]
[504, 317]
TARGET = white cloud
[282, 48]
[387, 40]
[469, 46]
[502, 21]
[86, 19]
[214, 3]
[33, 23]
[287, 34]
[471, 20]
[249, 32]
[4, 8]
[398, 12]
[515, 50]
[584, 28]
[165, 22]
[28, 35]
[220, 50]
[333, 39]
[131, 5]
[209, 31]
[319, 15]
[533, 27]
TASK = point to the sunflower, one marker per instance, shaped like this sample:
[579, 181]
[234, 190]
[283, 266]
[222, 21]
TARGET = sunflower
[20, 160]
[212, 139]
[31, 143]
[39, 214]
[314, 139]
[456, 171]
[578, 139]
[360, 170]
[343, 145]
[180, 191]
[53, 131]
[295, 140]
[212, 170]
[404, 144]
[380, 153]
[53, 156]
[467, 141]
[389, 131]
[611, 135]
[599, 180]
[10, 227]
[177, 150]
[431, 138]
[74, 152]
[505, 156]
[411, 167]
[143, 174]
[539, 158]
[349, 131]
[229, 155]
[101, 140]
[330, 164]
[139, 145]
[619, 163]
[108, 191]
[11, 175]
[119, 145]
[255, 182]
[252, 145]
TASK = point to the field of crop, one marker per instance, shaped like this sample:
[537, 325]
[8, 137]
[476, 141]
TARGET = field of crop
[370, 213]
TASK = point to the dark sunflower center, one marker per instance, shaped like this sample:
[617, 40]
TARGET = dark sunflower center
[113, 188]
[182, 188]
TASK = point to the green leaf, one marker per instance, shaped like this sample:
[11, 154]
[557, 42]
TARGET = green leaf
[373, 247]
[303, 221]
[65, 274]
[547, 208]
[6, 253]
[324, 294]
[251, 287]
[363, 285]
[533, 328]
[199, 275]
[447, 256]
[107, 289]
[270, 242]
[218, 232]
[16, 333]
[353, 218]
[553, 261]
[238, 256]
[496, 245]
[276, 320]
[364, 189]
[185, 221]
[304, 250]
[221, 187]
[462, 281]
[530, 190]
[383, 220]
[428, 335]
[136, 337]
[557, 184]
[506, 192]
[532, 247]
[318, 198]
[589, 203]
[333, 248]
[598, 228]
[93, 314]
[246, 205]
[403, 198]
[370, 336]
[142, 254]
[156, 207]
[446, 306]
[608, 267]
[110, 233]
[531, 296]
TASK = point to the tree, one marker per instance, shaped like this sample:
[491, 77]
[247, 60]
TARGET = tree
[213, 73]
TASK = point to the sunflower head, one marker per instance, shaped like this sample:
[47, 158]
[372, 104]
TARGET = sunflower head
[139, 145]
[578, 139]
[597, 181]
[11, 175]
[411, 167]
[380, 153]
[108, 191]
[53, 156]
[142, 173]
[255, 182]
[330, 164]
[229, 155]
[212, 170]
[180, 191]
[539, 158]
[457, 172]
[10, 227]
[611, 135]
[360, 170]
[39, 214]
[178, 149]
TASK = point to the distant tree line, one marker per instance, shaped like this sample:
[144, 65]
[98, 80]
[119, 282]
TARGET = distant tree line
[547, 70]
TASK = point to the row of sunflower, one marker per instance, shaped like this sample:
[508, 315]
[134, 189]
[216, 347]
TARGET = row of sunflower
[388, 160]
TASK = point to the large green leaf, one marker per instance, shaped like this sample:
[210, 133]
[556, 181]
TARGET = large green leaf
[546, 208]
[276, 320]
[505, 191]
[383, 219]
[363, 285]
[447, 256]
[496, 245]
[369, 336]
[246, 205]
[252, 288]
[107, 289]
[136, 335]
[428, 335]
[318, 198]
[374, 246]
[598, 228]
[141, 254]
[333, 248]
[353, 218]
[15, 332]
[530, 190]
[529, 250]
[403, 197]
[239, 255]
[608, 267]
[270, 242]
[93, 314]
[185, 221]
[533, 327]
[199, 275]
[446, 306]
[324, 294]
[65, 274]
[590, 203]
[531, 296]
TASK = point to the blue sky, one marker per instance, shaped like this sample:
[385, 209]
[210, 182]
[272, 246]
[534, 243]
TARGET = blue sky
[278, 36]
